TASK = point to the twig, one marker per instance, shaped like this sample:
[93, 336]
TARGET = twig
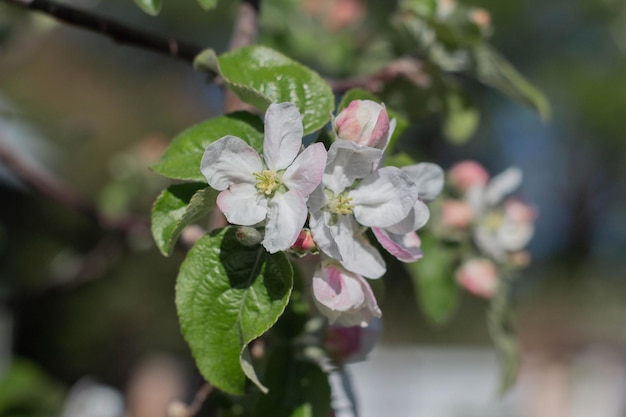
[119, 32]
[198, 400]
[245, 33]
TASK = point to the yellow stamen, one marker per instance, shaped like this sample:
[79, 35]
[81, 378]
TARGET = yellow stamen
[266, 182]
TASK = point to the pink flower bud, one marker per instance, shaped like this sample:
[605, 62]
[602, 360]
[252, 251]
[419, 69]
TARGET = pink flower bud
[466, 174]
[456, 214]
[351, 344]
[478, 276]
[304, 243]
[364, 122]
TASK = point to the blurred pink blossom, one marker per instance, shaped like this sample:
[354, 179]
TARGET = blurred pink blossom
[478, 276]
[467, 174]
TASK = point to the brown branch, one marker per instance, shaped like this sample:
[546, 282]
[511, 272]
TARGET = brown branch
[245, 33]
[119, 32]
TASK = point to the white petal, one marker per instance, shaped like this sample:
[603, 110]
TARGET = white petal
[242, 204]
[322, 233]
[305, 174]
[347, 162]
[428, 177]
[418, 216]
[406, 248]
[283, 135]
[503, 184]
[357, 254]
[286, 214]
[230, 160]
[384, 198]
[366, 313]
[514, 236]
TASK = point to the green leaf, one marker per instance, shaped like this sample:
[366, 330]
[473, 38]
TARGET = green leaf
[499, 323]
[297, 387]
[495, 71]
[176, 207]
[182, 158]
[461, 119]
[227, 295]
[261, 76]
[359, 94]
[151, 7]
[433, 280]
[207, 4]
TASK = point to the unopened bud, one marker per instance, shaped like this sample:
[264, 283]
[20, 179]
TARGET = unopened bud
[478, 276]
[466, 174]
[248, 236]
[456, 214]
[304, 244]
[364, 122]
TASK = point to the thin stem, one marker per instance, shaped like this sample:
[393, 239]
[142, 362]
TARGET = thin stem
[119, 32]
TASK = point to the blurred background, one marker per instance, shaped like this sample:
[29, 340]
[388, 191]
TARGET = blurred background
[87, 302]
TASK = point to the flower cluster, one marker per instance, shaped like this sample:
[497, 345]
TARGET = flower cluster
[343, 192]
[499, 226]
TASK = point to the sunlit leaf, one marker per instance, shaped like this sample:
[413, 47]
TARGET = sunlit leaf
[207, 4]
[182, 158]
[227, 295]
[151, 7]
[176, 207]
[261, 76]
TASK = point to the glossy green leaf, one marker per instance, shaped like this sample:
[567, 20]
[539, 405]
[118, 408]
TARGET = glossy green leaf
[151, 7]
[359, 94]
[261, 76]
[182, 158]
[499, 323]
[227, 295]
[433, 280]
[461, 119]
[495, 71]
[178, 206]
[297, 387]
[207, 4]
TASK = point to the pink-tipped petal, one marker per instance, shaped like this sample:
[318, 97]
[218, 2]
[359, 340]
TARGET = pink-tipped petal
[406, 248]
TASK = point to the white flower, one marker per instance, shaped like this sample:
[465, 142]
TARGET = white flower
[344, 297]
[501, 226]
[400, 239]
[274, 188]
[352, 194]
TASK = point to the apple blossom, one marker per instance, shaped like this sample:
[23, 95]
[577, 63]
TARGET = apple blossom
[273, 189]
[478, 276]
[364, 122]
[501, 226]
[351, 195]
[456, 214]
[344, 297]
[400, 239]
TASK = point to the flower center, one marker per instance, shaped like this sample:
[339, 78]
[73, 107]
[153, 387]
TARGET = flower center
[492, 221]
[267, 182]
[341, 205]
